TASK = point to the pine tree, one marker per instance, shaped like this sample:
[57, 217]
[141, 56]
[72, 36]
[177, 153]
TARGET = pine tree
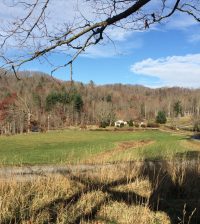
[161, 117]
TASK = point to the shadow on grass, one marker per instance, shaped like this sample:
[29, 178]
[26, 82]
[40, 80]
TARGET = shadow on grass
[188, 155]
[176, 187]
[175, 184]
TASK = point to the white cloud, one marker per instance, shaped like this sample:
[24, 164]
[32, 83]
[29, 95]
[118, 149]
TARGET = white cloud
[172, 71]
[62, 13]
[109, 50]
[180, 21]
[194, 38]
[100, 51]
[58, 12]
[118, 34]
[119, 46]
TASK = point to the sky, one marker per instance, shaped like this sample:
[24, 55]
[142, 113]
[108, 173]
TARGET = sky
[165, 55]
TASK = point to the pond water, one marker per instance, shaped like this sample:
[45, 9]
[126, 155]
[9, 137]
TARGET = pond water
[196, 137]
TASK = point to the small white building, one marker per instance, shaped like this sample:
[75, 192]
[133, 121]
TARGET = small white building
[120, 123]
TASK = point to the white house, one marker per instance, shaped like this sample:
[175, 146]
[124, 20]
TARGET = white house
[120, 123]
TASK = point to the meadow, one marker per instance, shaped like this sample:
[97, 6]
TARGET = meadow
[75, 146]
[146, 177]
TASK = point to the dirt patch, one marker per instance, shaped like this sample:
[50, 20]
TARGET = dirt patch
[96, 162]
[122, 146]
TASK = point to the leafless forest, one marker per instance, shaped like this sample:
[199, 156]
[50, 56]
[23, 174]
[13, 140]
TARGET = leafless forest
[39, 103]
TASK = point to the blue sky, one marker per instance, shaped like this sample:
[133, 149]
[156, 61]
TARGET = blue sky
[164, 55]
[106, 67]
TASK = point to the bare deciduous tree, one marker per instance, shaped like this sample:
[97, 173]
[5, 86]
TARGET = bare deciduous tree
[31, 36]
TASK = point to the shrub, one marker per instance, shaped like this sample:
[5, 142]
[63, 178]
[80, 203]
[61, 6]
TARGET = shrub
[137, 125]
[112, 124]
[153, 125]
[130, 123]
[121, 125]
[103, 124]
[161, 117]
[196, 126]
[143, 126]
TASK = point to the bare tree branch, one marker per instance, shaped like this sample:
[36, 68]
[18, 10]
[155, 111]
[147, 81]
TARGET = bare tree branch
[31, 32]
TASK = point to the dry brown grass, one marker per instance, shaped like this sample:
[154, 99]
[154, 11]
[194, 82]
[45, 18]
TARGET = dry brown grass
[20, 201]
[122, 213]
[192, 145]
[150, 192]
[121, 147]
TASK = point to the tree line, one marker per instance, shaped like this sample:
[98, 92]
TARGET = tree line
[39, 103]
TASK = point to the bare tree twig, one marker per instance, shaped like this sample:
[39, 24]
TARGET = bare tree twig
[31, 31]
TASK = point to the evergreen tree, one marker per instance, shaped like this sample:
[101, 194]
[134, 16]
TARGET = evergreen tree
[178, 110]
[161, 117]
[78, 103]
[51, 100]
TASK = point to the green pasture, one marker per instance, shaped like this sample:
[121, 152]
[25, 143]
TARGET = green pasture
[78, 146]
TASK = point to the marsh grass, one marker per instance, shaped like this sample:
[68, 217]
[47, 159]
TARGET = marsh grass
[148, 192]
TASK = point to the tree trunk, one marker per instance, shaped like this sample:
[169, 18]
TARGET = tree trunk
[29, 122]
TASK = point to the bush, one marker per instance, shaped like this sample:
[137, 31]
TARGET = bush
[161, 117]
[137, 125]
[121, 125]
[130, 123]
[143, 126]
[104, 124]
[112, 124]
[196, 126]
[153, 125]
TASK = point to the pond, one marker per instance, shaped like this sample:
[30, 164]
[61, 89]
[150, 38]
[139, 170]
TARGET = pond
[196, 136]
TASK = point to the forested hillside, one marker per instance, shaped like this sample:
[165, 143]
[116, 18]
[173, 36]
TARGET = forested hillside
[39, 102]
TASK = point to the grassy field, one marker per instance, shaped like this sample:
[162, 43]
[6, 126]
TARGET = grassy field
[145, 191]
[83, 146]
